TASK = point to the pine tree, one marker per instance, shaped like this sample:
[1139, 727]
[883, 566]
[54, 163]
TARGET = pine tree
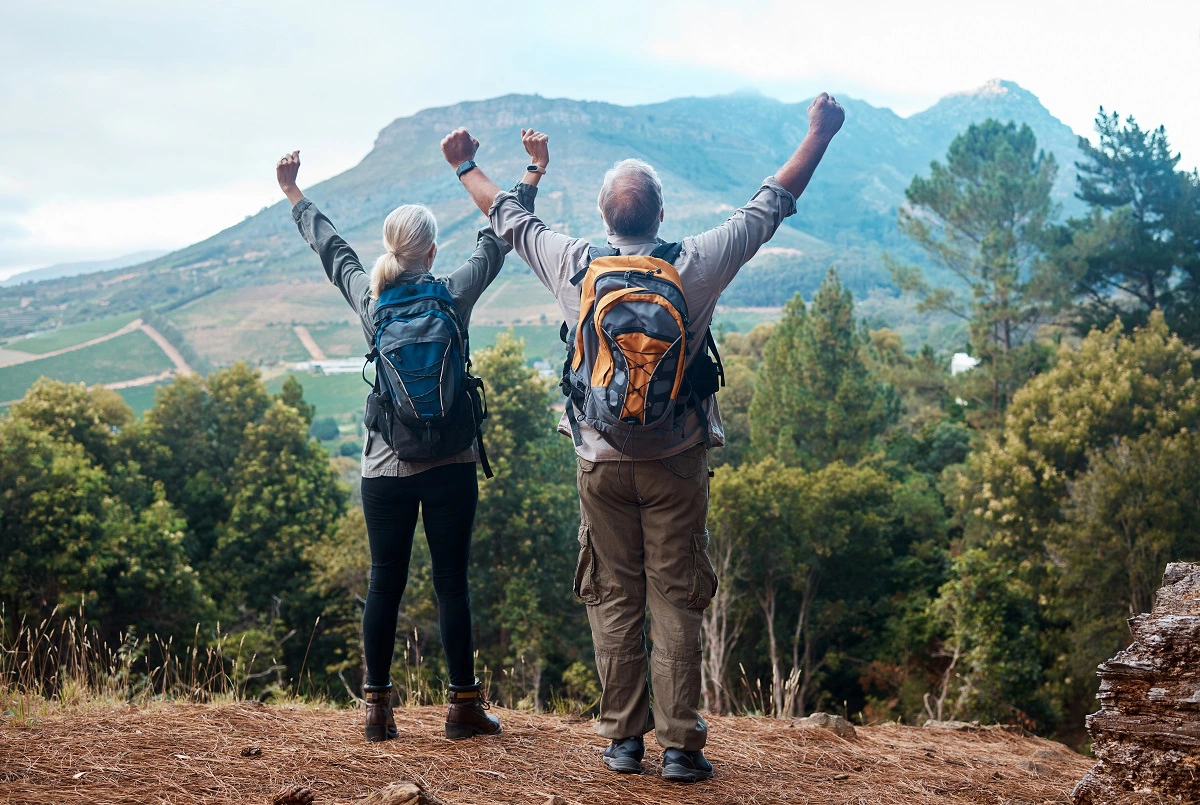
[1139, 248]
[981, 218]
[815, 399]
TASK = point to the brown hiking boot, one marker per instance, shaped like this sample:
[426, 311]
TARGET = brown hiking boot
[466, 716]
[380, 724]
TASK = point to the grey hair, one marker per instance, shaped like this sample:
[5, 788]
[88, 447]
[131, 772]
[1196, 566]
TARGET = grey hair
[631, 199]
[409, 232]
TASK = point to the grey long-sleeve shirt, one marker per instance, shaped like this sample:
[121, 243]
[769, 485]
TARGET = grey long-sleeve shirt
[466, 284]
[707, 264]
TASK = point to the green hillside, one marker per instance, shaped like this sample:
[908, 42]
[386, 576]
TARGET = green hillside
[122, 358]
[70, 335]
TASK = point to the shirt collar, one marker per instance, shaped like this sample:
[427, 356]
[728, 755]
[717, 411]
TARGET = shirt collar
[625, 242]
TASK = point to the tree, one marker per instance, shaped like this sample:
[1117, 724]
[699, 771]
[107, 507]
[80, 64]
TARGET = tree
[284, 497]
[1138, 250]
[1066, 508]
[76, 536]
[292, 395]
[325, 429]
[807, 540]
[815, 400]
[148, 583]
[51, 521]
[196, 429]
[741, 355]
[981, 219]
[71, 412]
[524, 533]
[1130, 513]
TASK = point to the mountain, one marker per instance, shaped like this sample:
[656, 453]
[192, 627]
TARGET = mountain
[711, 153]
[59, 270]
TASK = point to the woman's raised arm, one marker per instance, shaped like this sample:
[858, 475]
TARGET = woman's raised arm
[341, 264]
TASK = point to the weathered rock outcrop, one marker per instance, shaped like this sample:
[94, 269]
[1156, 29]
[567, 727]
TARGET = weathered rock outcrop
[1147, 732]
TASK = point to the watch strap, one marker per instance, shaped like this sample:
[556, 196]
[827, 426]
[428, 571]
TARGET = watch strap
[465, 167]
[535, 169]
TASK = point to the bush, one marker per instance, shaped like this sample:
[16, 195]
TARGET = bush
[350, 449]
[325, 428]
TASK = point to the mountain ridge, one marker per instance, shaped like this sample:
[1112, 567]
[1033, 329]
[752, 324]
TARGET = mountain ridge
[711, 152]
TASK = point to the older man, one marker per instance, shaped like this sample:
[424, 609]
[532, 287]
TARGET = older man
[643, 540]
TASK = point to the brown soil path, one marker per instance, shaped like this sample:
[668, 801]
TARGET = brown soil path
[12, 357]
[168, 348]
[194, 753]
[310, 343]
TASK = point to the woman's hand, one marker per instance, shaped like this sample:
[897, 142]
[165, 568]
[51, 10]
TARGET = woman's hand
[285, 173]
[537, 145]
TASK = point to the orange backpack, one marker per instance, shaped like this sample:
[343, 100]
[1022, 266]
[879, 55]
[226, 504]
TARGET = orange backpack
[626, 370]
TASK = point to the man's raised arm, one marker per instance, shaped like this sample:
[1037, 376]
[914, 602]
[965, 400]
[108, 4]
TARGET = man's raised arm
[723, 250]
[825, 117]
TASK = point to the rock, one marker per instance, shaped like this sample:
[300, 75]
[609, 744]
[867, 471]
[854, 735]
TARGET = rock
[1146, 735]
[951, 725]
[251, 751]
[401, 794]
[294, 795]
[835, 724]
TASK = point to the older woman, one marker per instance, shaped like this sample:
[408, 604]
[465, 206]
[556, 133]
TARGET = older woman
[444, 489]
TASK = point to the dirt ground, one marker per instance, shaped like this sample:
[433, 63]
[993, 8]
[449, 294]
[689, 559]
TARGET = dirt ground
[172, 753]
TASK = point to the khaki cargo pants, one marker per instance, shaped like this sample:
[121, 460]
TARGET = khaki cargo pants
[643, 544]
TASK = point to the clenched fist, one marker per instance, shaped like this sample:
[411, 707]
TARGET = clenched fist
[537, 145]
[459, 146]
[285, 173]
[825, 116]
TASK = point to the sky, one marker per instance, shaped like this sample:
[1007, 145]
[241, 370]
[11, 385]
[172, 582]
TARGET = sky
[146, 124]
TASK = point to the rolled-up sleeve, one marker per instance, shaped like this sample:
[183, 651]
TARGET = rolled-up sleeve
[469, 281]
[543, 250]
[342, 266]
[723, 250]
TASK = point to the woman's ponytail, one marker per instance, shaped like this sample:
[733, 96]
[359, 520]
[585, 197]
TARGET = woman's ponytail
[409, 233]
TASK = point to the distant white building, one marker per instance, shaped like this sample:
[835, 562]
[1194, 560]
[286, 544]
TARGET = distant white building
[962, 362]
[336, 366]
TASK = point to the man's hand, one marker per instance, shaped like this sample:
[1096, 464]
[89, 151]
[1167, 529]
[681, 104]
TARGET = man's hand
[825, 116]
[459, 146]
[285, 173]
[537, 145]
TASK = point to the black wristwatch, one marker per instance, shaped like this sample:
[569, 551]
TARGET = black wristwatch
[465, 167]
[535, 169]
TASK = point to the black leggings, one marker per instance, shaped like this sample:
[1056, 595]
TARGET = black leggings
[447, 497]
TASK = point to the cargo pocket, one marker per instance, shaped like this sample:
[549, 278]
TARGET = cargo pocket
[585, 571]
[704, 575]
[685, 464]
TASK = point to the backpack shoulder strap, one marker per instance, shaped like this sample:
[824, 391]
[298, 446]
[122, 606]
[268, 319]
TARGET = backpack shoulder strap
[668, 252]
[594, 253]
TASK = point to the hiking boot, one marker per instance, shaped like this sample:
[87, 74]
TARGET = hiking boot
[685, 767]
[466, 716]
[380, 724]
[624, 755]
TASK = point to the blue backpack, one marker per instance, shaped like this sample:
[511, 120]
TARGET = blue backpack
[425, 404]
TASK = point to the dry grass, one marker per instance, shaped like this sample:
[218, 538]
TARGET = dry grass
[194, 753]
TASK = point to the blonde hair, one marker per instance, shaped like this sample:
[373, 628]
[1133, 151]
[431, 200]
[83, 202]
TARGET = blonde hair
[409, 232]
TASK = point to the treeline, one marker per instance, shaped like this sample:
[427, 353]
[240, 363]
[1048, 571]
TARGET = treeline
[892, 541]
